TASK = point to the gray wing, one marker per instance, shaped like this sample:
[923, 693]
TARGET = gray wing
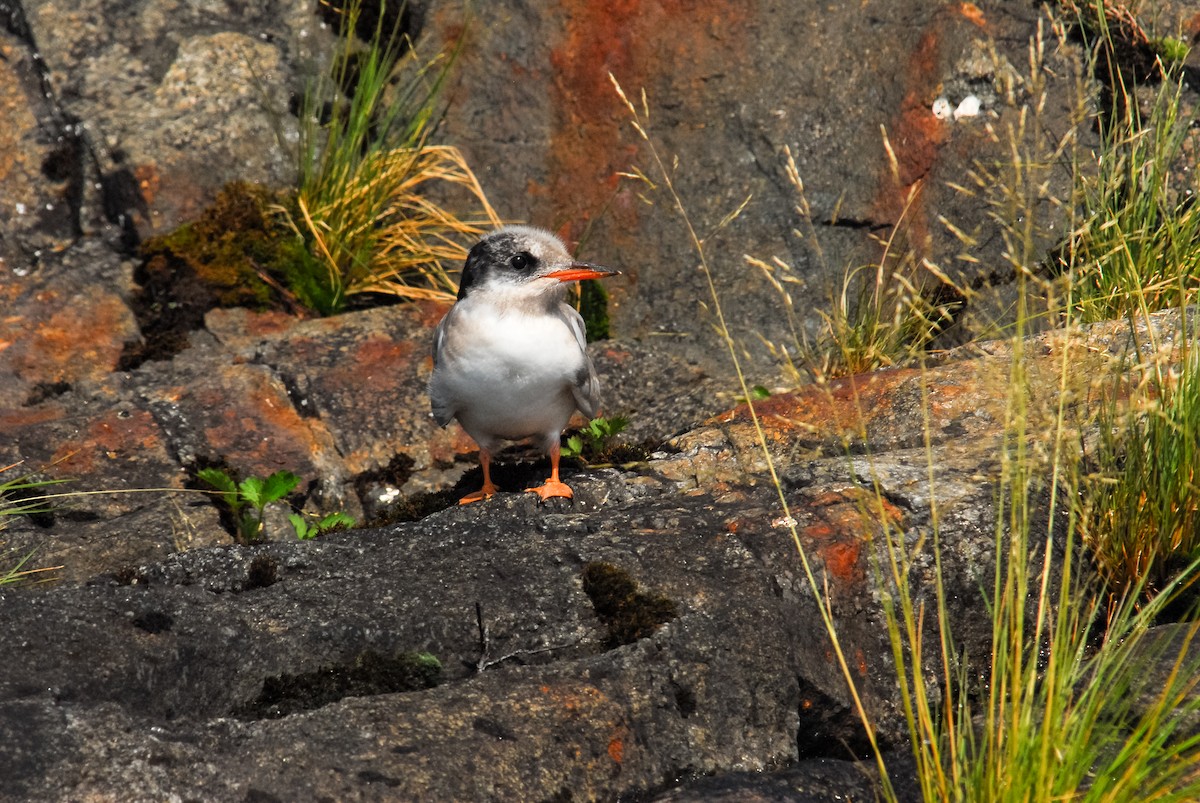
[443, 413]
[585, 386]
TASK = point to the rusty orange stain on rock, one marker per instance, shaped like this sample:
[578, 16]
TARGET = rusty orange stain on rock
[860, 661]
[842, 560]
[575, 700]
[114, 435]
[377, 364]
[267, 322]
[247, 417]
[430, 313]
[915, 134]
[973, 13]
[616, 749]
[17, 420]
[916, 137]
[149, 181]
[445, 445]
[837, 523]
[637, 42]
[845, 404]
[817, 530]
[82, 338]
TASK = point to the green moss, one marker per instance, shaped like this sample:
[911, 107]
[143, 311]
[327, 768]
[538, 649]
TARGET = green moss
[1170, 49]
[593, 306]
[628, 613]
[228, 248]
[239, 252]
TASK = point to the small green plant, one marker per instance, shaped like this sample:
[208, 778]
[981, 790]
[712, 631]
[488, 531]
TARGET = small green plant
[593, 440]
[309, 528]
[757, 393]
[21, 495]
[247, 499]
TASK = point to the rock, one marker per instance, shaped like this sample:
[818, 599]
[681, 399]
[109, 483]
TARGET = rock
[176, 99]
[40, 178]
[223, 667]
[550, 139]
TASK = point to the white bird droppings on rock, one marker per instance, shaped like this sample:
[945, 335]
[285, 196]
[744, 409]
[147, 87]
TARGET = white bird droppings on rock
[968, 108]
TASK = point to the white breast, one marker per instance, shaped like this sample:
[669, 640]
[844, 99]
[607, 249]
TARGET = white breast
[507, 373]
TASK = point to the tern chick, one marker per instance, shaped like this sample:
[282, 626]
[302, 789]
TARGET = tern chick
[509, 359]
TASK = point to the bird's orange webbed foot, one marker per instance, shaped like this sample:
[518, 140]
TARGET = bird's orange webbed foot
[486, 492]
[550, 489]
[553, 486]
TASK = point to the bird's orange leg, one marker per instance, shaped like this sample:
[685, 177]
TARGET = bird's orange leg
[488, 489]
[552, 486]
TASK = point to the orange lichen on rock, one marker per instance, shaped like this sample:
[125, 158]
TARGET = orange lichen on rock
[616, 749]
[60, 338]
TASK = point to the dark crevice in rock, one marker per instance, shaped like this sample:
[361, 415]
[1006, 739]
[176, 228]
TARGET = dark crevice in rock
[493, 728]
[168, 307]
[262, 572]
[65, 163]
[685, 700]
[299, 397]
[129, 576]
[369, 673]
[399, 23]
[856, 224]
[373, 777]
[42, 513]
[628, 613]
[153, 622]
[121, 198]
[828, 729]
[378, 493]
[70, 514]
[46, 390]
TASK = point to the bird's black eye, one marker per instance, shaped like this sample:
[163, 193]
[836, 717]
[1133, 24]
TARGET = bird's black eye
[522, 261]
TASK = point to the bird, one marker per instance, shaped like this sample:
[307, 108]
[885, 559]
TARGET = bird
[509, 357]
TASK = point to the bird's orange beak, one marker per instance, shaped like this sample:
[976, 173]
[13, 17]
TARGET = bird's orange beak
[581, 271]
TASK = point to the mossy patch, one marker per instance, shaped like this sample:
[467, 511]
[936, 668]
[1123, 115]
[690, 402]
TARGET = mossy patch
[593, 307]
[239, 252]
[628, 613]
[369, 673]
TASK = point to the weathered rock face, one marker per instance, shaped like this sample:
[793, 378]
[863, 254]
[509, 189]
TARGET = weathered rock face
[141, 116]
[175, 99]
[729, 88]
[218, 672]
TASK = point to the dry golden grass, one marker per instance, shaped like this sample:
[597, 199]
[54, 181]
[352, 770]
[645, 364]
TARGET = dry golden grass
[383, 233]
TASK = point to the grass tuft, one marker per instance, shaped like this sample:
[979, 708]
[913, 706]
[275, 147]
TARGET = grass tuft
[367, 178]
[1137, 246]
[883, 315]
[21, 495]
[1141, 505]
